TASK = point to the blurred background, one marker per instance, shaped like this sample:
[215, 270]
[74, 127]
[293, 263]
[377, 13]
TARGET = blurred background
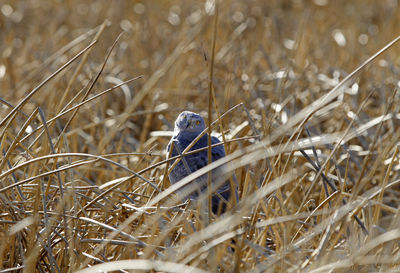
[268, 53]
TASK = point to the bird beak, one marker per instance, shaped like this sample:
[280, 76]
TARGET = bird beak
[189, 123]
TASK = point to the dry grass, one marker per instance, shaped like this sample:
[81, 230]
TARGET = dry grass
[83, 172]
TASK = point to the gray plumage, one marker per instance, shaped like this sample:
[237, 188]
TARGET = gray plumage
[188, 126]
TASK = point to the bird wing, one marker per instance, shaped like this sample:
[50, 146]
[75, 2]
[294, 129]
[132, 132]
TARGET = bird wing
[217, 151]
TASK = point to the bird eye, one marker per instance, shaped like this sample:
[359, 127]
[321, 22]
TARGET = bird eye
[185, 116]
[197, 122]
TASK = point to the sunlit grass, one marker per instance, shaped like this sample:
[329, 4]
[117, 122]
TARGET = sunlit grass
[305, 97]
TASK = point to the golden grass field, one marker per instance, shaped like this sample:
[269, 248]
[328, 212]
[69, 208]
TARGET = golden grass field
[307, 92]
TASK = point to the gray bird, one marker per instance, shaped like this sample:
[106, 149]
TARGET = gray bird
[188, 126]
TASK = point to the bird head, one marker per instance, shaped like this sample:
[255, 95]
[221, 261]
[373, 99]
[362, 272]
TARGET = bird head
[189, 122]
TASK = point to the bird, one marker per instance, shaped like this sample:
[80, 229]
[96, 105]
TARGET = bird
[188, 126]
